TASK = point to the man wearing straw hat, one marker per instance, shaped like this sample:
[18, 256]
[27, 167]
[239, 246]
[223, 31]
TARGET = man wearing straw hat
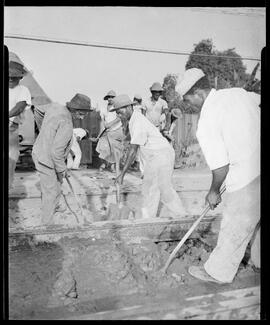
[111, 141]
[156, 107]
[19, 100]
[158, 155]
[51, 149]
[229, 135]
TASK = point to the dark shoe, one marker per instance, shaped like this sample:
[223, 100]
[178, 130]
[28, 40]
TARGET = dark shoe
[199, 272]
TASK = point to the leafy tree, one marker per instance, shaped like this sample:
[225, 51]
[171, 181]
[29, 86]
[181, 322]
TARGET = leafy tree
[170, 94]
[222, 72]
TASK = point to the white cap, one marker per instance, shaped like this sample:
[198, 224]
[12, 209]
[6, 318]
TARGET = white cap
[189, 78]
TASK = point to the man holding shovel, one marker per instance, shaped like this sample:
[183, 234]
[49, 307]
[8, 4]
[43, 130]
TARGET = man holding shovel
[229, 135]
[51, 149]
[110, 139]
[158, 155]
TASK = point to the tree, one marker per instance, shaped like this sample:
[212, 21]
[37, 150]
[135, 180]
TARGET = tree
[222, 72]
[253, 84]
[170, 94]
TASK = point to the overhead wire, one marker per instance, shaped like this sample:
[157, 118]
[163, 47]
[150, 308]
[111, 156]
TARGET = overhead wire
[120, 47]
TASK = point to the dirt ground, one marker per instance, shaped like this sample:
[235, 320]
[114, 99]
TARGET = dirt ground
[77, 276]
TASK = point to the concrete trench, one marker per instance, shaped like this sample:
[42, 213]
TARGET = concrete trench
[75, 276]
[107, 268]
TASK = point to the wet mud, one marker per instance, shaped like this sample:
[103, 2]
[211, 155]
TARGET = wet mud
[76, 276]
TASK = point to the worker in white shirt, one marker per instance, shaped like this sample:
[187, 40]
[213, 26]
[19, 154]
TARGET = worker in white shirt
[78, 135]
[229, 135]
[156, 107]
[110, 144]
[159, 161]
[19, 100]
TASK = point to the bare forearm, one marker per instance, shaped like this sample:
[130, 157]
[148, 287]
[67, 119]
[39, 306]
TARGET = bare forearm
[218, 177]
[168, 120]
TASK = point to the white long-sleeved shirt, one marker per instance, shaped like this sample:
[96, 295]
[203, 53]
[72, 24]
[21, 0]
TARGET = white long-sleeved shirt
[229, 133]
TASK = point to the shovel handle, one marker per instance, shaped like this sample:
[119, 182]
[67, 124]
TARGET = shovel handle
[75, 195]
[187, 235]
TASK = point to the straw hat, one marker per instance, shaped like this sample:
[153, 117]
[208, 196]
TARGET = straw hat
[111, 93]
[156, 87]
[189, 78]
[121, 101]
[80, 101]
[16, 69]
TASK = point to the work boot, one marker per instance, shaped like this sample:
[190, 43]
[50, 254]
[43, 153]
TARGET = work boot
[199, 272]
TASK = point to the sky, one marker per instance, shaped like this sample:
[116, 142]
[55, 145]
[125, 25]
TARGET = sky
[63, 70]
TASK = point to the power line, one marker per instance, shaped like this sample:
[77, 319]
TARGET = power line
[120, 47]
[238, 11]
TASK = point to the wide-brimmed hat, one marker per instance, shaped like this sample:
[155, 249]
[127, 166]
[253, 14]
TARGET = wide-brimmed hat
[80, 101]
[121, 101]
[16, 69]
[176, 113]
[137, 96]
[156, 87]
[188, 80]
[110, 93]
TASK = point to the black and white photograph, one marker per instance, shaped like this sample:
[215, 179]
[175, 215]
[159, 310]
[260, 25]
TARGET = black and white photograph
[134, 162]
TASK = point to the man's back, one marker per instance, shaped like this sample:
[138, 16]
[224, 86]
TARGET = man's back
[229, 133]
[54, 139]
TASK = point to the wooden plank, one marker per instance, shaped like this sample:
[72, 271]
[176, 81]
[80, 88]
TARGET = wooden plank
[235, 304]
[90, 181]
[127, 231]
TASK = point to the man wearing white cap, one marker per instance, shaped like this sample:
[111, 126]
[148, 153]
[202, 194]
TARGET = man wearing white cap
[159, 160]
[229, 135]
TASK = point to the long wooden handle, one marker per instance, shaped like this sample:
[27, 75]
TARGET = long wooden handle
[187, 235]
[75, 195]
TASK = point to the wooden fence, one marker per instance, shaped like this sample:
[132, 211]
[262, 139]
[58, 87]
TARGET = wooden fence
[185, 131]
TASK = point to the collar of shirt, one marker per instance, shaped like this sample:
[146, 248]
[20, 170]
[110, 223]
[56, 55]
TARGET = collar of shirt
[208, 101]
[153, 101]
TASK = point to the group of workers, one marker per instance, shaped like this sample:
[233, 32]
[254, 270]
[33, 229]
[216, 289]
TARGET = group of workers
[228, 133]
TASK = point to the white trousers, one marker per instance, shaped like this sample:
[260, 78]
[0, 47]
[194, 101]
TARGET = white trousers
[75, 148]
[157, 183]
[241, 215]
